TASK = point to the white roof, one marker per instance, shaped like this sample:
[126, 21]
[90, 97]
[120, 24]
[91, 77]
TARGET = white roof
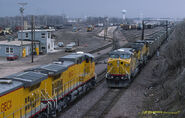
[128, 50]
[39, 30]
[15, 43]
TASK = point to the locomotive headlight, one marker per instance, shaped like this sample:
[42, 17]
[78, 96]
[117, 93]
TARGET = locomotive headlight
[112, 77]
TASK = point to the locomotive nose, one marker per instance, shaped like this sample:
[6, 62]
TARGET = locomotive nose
[113, 66]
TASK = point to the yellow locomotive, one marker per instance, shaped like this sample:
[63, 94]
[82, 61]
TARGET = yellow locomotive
[44, 90]
[90, 28]
[68, 78]
[123, 64]
[19, 95]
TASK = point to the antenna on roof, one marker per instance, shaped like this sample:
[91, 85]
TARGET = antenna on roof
[80, 52]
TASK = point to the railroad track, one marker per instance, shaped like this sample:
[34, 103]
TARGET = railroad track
[101, 78]
[103, 106]
[136, 34]
[101, 57]
[132, 35]
[109, 99]
[101, 48]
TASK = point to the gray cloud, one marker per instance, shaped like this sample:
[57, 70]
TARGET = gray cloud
[81, 8]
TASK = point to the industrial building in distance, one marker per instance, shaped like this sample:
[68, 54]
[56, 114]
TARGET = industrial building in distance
[8, 48]
[41, 35]
[43, 43]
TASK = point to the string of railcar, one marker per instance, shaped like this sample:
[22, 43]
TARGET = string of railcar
[122, 66]
[45, 90]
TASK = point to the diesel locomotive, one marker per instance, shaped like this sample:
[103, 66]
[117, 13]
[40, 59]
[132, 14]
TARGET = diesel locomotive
[45, 90]
[124, 63]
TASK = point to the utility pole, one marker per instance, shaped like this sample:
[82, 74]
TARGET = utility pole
[143, 30]
[115, 40]
[166, 29]
[105, 33]
[22, 19]
[105, 28]
[32, 37]
[77, 38]
[78, 42]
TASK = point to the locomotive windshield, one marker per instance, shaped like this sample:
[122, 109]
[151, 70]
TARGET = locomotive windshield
[114, 56]
[122, 56]
[125, 56]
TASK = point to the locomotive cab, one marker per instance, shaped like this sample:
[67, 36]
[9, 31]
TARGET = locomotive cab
[24, 95]
[120, 67]
[145, 49]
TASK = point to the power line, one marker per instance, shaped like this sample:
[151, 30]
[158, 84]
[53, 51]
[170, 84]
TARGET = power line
[22, 18]
[32, 36]
[143, 30]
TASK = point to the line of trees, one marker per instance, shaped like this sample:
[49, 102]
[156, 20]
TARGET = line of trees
[39, 19]
[57, 20]
[54, 20]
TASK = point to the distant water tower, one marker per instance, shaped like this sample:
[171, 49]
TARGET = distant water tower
[124, 15]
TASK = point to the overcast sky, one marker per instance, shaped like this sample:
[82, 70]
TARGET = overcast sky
[81, 8]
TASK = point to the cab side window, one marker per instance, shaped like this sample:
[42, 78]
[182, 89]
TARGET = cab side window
[92, 59]
[87, 60]
[79, 60]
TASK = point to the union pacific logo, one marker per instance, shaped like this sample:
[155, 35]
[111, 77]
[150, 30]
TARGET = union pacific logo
[5, 106]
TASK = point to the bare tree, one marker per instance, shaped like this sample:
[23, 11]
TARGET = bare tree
[40, 20]
[175, 53]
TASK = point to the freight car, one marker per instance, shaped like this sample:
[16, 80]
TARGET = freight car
[125, 26]
[123, 64]
[133, 26]
[90, 28]
[47, 89]
[130, 26]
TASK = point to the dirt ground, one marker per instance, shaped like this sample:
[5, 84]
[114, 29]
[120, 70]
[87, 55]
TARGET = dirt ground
[120, 109]
[81, 107]
[130, 104]
[132, 35]
[88, 41]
